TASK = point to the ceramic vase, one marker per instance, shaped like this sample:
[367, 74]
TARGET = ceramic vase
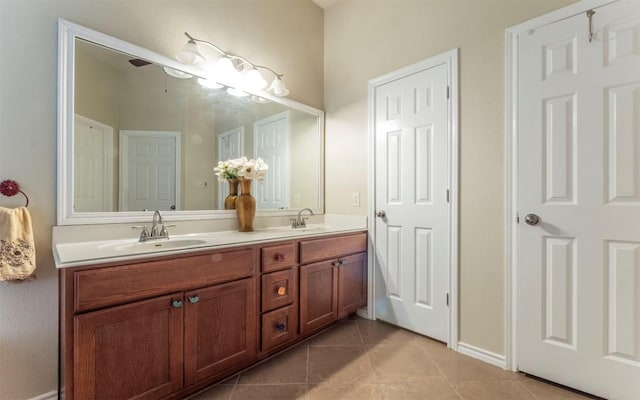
[245, 207]
[230, 200]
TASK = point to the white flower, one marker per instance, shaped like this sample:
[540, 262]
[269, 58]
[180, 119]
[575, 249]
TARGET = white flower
[241, 168]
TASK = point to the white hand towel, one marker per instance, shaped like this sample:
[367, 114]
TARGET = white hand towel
[17, 249]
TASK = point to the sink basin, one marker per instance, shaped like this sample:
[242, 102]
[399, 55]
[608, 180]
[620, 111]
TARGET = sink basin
[161, 244]
[85, 251]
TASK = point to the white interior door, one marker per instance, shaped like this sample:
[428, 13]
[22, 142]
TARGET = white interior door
[149, 173]
[271, 143]
[579, 172]
[411, 197]
[92, 166]
[230, 146]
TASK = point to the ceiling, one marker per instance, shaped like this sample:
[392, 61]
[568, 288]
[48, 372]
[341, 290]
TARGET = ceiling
[325, 3]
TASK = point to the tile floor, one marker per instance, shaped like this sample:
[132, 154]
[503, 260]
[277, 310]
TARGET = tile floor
[370, 360]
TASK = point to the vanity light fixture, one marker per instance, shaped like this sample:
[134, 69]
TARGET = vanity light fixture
[230, 70]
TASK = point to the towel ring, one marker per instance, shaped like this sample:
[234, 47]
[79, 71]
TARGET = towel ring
[11, 188]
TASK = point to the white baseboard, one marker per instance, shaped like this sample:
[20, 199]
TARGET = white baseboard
[52, 395]
[482, 355]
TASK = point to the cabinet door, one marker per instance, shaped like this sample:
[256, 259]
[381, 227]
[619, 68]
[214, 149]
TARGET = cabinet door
[352, 284]
[220, 328]
[129, 352]
[318, 295]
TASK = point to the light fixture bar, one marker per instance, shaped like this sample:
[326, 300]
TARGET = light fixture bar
[233, 56]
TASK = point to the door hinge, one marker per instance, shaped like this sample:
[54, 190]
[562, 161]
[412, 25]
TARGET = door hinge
[447, 92]
[447, 195]
[447, 299]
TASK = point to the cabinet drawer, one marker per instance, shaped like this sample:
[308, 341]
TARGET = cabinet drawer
[278, 289]
[279, 326]
[323, 249]
[102, 287]
[275, 258]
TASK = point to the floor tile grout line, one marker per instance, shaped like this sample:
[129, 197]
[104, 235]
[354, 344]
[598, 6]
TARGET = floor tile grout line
[527, 390]
[308, 367]
[446, 378]
[360, 333]
[235, 385]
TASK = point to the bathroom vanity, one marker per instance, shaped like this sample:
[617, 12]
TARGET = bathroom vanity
[166, 326]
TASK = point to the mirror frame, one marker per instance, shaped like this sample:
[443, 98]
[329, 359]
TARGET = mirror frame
[67, 34]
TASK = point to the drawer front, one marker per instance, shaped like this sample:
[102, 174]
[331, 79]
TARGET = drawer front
[279, 257]
[324, 249]
[278, 327]
[278, 289]
[95, 288]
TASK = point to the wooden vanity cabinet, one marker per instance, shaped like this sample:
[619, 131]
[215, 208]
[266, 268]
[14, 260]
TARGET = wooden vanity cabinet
[168, 327]
[197, 321]
[333, 279]
[279, 264]
[129, 351]
[220, 329]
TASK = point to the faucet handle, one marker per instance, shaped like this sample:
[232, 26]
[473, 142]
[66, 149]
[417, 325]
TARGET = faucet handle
[144, 234]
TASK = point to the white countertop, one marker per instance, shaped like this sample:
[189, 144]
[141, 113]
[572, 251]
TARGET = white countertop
[70, 250]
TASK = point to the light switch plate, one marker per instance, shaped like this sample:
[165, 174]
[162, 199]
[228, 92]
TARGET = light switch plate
[355, 202]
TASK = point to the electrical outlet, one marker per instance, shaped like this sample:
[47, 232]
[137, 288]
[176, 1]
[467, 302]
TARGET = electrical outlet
[355, 202]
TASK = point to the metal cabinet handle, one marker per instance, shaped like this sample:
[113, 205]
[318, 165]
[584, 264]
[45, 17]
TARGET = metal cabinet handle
[176, 303]
[531, 219]
[381, 214]
[281, 291]
[194, 299]
[342, 262]
[279, 257]
[281, 327]
[336, 263]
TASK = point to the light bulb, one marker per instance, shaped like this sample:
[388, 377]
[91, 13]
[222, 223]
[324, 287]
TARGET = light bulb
[189, 55]
[224, 71]
[278, 88]
[237, 92]
[176, 73]
[254, 79]
[209, 84]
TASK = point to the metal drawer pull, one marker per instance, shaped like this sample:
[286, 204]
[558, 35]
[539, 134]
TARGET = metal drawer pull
[282, 291]
[194, 299]
[176, 303]
[281, 327]
[279, 257]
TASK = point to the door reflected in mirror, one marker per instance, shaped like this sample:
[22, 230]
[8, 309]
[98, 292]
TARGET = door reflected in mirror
[144, 139]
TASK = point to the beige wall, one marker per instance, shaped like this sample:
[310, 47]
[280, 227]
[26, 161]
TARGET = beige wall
[284, 34]
[365, 39]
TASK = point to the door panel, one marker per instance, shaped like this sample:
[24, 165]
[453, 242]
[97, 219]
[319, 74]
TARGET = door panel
[220, 328]
[148, 170]
[129, 352]
[230, 146]
[92, 166]
[271, 143]
[579, 157]
[318, 295]
[412, 172]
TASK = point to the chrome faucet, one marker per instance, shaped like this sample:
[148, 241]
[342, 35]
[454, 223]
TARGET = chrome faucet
[300, 222]
[158, 228]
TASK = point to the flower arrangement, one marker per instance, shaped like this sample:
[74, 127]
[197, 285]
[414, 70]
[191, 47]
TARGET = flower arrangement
[241, 168]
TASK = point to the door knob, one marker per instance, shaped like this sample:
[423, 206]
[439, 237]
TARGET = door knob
[381, 214]
[531, 219]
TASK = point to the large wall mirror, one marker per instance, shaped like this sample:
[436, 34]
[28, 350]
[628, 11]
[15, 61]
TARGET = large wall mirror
[135, 135]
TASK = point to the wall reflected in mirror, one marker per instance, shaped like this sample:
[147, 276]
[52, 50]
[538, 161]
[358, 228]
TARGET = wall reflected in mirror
[146, 140]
